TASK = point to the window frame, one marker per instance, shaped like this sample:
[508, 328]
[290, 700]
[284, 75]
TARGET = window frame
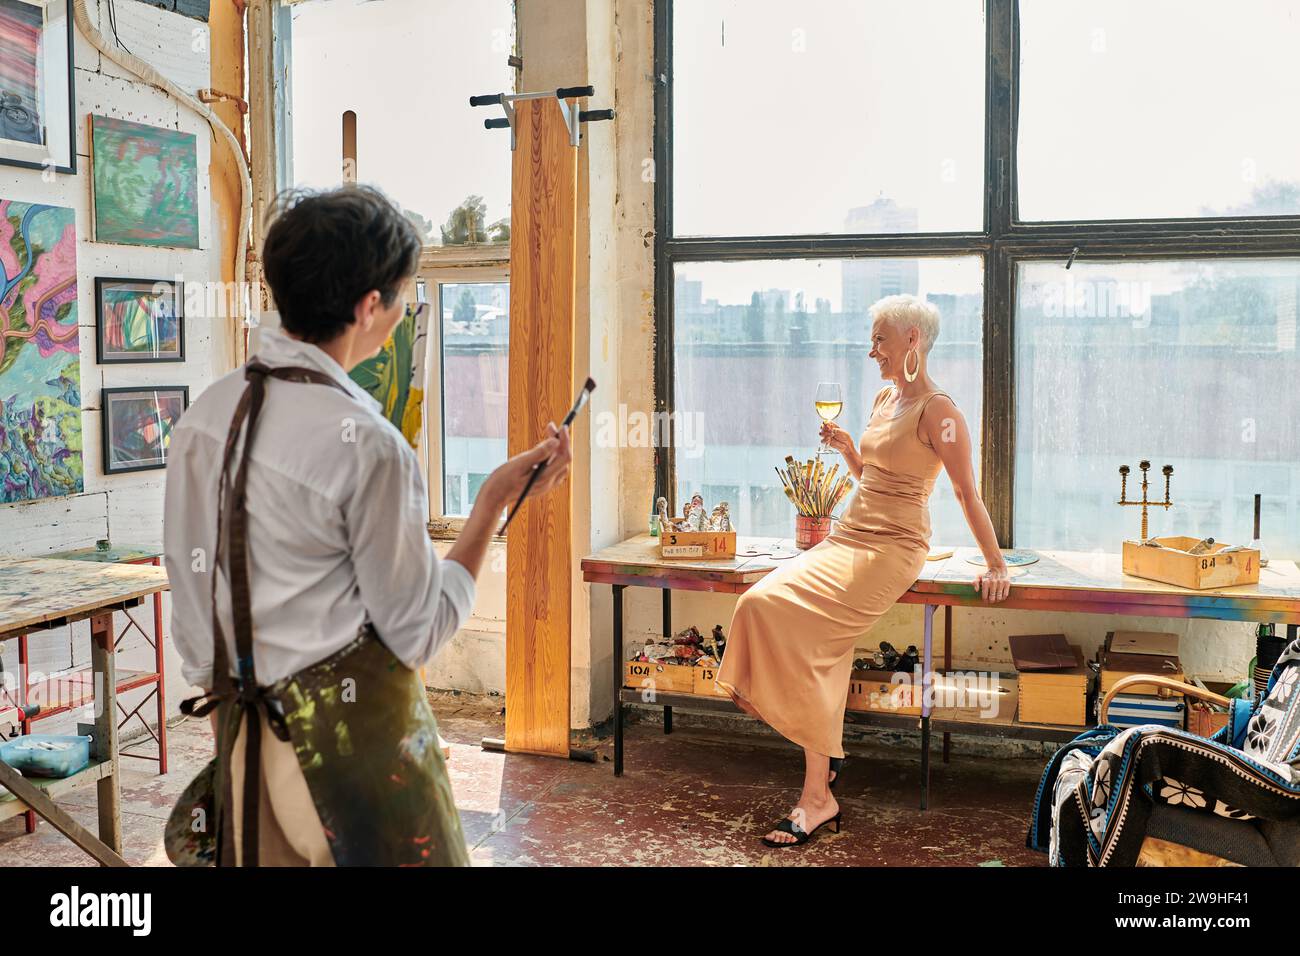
[1002, 243]
[441, 265]
[478, 262]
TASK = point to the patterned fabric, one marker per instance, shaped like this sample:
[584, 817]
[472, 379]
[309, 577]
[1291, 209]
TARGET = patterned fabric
[1098, 791]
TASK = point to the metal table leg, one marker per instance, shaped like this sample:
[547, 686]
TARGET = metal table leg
[618, 679]
[668, 633]
[947, 666]
[926, 695]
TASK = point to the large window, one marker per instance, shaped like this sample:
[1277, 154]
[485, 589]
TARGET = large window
[1179, 362]
[1102, 197]
[1146, 109]
[777, 88]
[378, 93]
[753, 339]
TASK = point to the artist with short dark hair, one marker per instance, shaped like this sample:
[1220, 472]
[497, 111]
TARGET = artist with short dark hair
[305, 588]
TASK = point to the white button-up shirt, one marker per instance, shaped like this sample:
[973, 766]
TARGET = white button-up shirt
[337, 526]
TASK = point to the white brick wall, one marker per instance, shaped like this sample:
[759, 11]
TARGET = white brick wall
[125, 508]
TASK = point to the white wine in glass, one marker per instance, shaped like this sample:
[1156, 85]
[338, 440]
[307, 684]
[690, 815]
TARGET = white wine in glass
[829, 403]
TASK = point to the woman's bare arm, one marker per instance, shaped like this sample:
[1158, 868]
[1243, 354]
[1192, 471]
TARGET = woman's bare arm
[944, 427]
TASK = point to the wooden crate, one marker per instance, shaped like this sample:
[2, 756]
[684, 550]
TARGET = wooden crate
[705, 682]
[1198, 571]
[1119, 660]
[1056, 696]
[662, 678]
[697, 544]
[876, 690]
[960, 697]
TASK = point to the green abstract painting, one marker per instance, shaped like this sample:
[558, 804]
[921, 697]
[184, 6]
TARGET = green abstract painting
[396, 376]
[146, 184]
[40, 357]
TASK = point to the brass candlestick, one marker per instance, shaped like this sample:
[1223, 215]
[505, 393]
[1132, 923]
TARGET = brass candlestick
[1167, 470]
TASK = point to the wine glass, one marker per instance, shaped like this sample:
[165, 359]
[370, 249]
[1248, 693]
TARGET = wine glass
[829, 402]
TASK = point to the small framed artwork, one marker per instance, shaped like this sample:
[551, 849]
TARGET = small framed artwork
[36, 100]
[138, 425]
[138, 320]
[144, 184]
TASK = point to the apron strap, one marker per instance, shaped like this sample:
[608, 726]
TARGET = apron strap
[248, 698]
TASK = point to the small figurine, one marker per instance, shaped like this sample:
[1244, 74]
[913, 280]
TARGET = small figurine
[695, 515]
[720, 520]
[719, 642]
[665, 523]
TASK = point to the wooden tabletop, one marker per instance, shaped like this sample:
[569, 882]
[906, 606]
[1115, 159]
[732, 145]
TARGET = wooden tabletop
[35, 592]
[636, 561]
[1059, 580]
[1094, 581]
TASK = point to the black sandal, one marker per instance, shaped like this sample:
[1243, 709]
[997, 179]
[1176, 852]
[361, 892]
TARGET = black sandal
[800, 837]
[837, 768]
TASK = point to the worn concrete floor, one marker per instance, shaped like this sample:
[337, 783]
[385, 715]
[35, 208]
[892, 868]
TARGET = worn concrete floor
[698, 797]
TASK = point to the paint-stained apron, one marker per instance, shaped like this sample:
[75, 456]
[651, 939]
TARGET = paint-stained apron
[360, 725]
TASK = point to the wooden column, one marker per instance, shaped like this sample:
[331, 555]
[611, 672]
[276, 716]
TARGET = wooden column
[543, 231]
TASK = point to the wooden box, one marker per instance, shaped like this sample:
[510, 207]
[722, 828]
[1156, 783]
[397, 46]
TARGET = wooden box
[973, 697]
[1204, 722]
[1055, 696]
[661, 678]
[706, 677]
[697, 544]
[878, 691]
[1126, 653]
[1172, 564]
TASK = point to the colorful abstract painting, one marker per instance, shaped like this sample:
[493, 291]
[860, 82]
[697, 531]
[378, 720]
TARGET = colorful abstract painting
[21, 25]
[396, 376]
[146, 183]
[40, 357]
[138, 425]
[138, 320]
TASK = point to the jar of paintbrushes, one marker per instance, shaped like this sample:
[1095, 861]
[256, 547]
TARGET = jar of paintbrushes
[815, 492]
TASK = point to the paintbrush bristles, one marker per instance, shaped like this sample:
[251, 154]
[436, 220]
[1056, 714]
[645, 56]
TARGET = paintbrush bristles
[812, 489]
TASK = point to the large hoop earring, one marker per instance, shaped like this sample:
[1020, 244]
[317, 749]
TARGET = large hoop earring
[911, 376]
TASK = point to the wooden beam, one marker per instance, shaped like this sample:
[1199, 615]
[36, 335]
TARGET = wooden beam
[57, 817]
[543, 246]
[104, 746]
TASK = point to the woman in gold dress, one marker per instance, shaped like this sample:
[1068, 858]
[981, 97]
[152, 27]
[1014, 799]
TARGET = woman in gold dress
[790, 647]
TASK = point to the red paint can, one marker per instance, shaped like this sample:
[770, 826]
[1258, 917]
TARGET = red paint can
[810, 531]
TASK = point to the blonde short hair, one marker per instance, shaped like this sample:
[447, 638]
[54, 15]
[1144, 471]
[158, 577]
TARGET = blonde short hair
[905, 311]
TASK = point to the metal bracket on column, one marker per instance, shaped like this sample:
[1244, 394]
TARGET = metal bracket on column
[573, 116]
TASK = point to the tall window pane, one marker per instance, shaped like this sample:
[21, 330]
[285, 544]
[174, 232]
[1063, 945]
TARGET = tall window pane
[475, 349]
[827, 117]
[753, 339]
[1188, 363]
[1146, 109]
[406, 68]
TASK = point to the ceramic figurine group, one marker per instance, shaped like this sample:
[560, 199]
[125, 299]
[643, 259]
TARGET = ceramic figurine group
[688, 646]
[888, 658]
[697, 518]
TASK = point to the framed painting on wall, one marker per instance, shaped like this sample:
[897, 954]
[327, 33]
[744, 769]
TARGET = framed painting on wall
[40, 354]
[145, 181]
[138, 320]
[36, 99]
[137, 426]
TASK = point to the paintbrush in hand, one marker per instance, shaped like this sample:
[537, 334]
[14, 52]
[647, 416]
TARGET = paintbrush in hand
[581, 400]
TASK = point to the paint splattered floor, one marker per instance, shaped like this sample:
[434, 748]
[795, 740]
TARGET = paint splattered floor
[697, 797]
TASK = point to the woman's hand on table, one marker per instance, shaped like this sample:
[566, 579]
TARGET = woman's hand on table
[994, 584]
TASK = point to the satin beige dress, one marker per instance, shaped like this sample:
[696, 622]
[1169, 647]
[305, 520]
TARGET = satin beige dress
[790, 646]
